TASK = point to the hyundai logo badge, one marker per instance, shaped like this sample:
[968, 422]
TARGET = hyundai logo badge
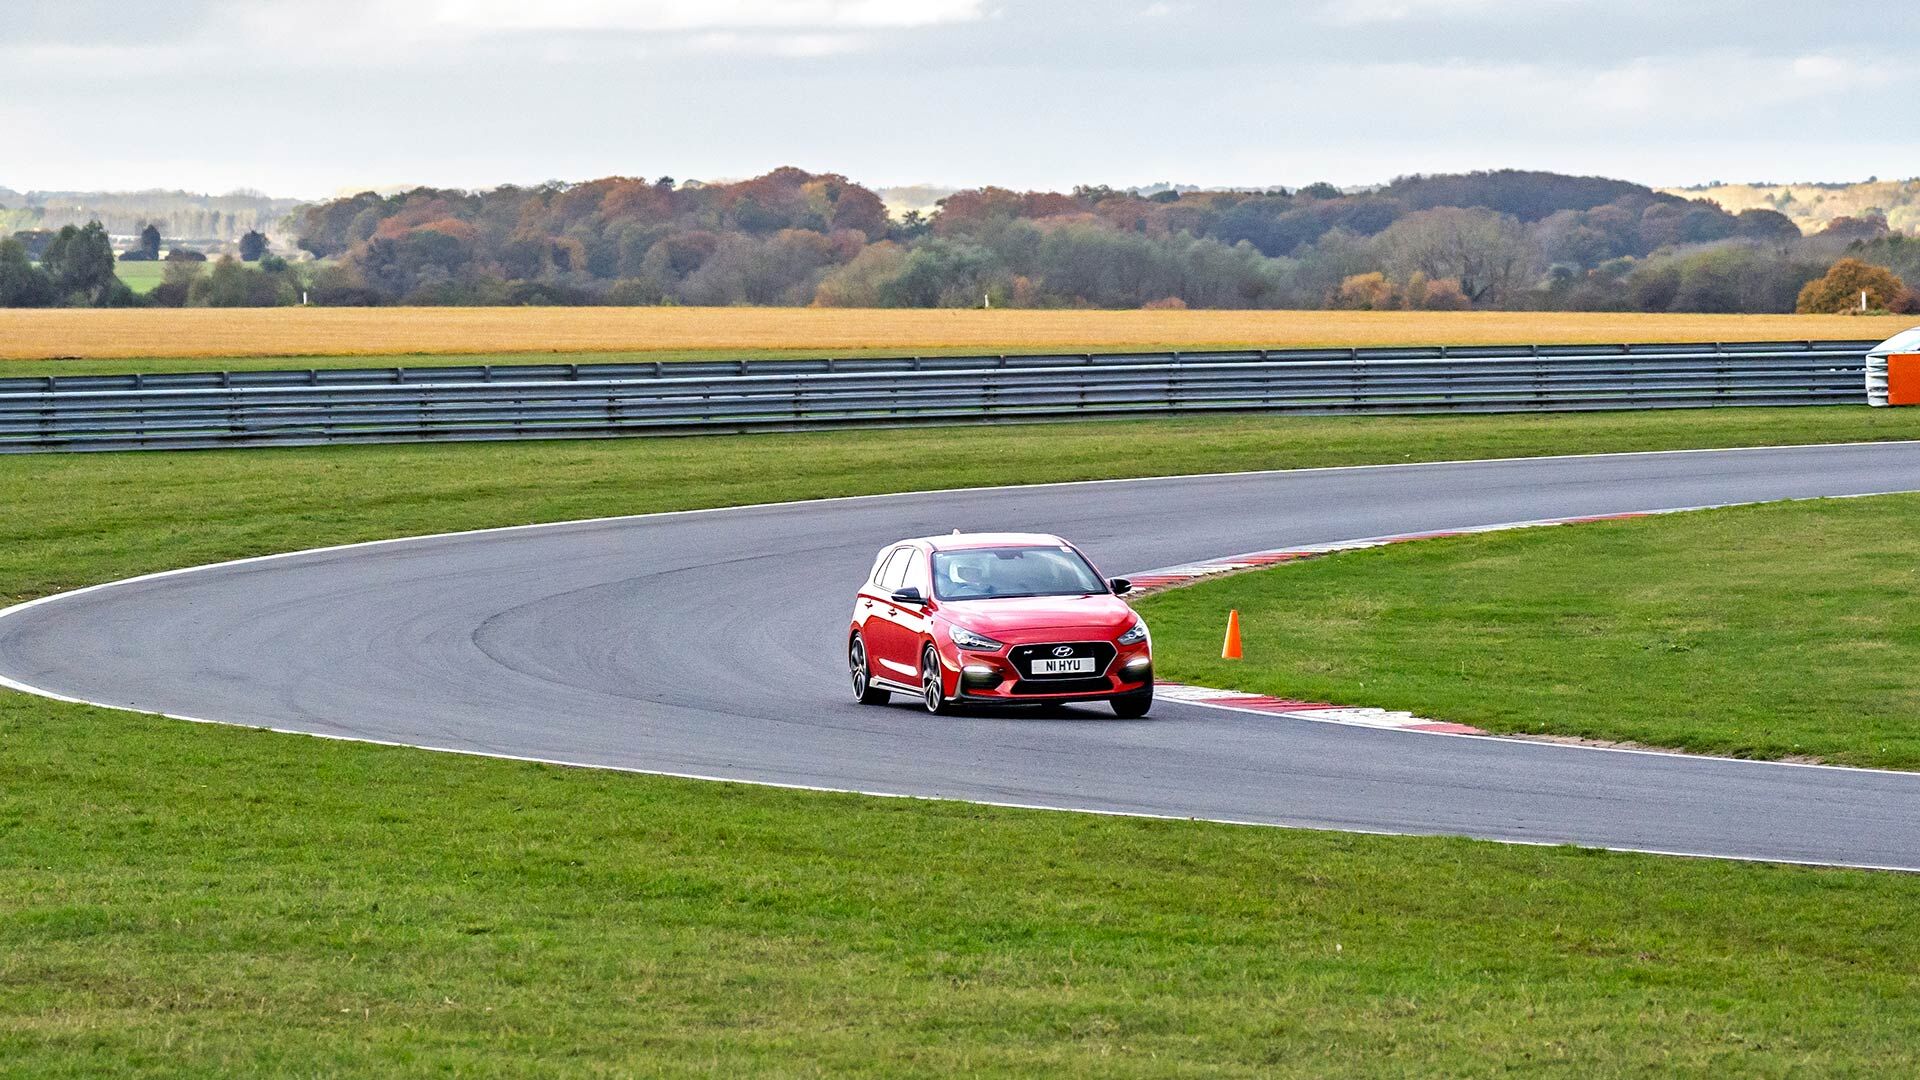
[1063, 650]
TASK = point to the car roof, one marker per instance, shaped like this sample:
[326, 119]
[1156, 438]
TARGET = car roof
[961, 541]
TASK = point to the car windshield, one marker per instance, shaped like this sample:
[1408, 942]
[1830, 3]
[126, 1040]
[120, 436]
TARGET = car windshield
[983, 573]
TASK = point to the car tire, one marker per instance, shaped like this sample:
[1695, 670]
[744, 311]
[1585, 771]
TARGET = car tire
[863, 689]
[1132, 706]
[932, 694]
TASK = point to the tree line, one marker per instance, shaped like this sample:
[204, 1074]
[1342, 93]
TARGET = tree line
[204, 218]
[74, 267]
[1492, 240]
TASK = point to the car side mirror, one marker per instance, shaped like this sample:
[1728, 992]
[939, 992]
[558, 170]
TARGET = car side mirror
[908, 595]
[1120, 586]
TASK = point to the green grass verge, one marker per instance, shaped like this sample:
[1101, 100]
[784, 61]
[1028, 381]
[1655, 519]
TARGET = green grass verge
[1784, 630]
[187, 900]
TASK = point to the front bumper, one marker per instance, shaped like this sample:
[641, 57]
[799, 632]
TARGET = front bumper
[994, 678]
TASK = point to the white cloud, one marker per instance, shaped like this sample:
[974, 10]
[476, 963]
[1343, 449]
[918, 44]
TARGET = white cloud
[796, 28]
[1721, 85]
[293, 99]
[31, 61]
[666, 16]
[1678, 119]
[1363, 12]
[1657, 93]
[373, 34]
[792, 44]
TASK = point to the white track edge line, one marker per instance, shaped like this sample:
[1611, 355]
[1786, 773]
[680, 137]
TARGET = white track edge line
[1543, 744]
[1146, 815]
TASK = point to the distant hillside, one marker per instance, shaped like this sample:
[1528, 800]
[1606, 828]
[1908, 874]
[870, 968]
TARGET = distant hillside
[1484, 239]
[1502, 238]
[1812, 206]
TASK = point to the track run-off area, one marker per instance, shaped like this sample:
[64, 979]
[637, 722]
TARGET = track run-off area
[709, 644]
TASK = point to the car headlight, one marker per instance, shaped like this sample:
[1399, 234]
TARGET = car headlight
[1134, 636]
[967, 639]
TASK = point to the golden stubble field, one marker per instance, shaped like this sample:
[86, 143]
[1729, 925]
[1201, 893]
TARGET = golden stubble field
[269, 332]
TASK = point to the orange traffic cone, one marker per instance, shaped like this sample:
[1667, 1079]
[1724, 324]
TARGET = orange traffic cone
[1231, 650]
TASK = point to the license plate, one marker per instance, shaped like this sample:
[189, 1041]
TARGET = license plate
[1072, 665]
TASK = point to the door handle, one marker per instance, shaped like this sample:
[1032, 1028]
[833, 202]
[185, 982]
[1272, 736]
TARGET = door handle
[869, 603]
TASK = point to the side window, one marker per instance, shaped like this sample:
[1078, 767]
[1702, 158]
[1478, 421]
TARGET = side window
[895, 569]
[916, 575]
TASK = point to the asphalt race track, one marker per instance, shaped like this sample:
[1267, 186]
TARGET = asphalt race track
[710, 644]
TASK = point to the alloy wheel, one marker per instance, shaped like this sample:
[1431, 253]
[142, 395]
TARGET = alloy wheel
[930, 680]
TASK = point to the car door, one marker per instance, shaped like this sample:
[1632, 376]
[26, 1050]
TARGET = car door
[889, 653]
[914, 621]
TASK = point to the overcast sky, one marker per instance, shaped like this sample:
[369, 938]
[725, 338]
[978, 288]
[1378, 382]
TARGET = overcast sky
[315, 98]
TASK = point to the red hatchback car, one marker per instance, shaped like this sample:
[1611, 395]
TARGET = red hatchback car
[997, 619]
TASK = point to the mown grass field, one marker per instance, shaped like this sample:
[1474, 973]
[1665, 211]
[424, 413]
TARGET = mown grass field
[188, 900]
[141, 277]
[1789, 630]
[202, 333]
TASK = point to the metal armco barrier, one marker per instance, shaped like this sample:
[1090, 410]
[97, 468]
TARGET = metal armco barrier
[555, 401]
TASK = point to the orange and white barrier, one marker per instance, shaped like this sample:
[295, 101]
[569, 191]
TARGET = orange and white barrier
[1893, 370]
[1903, 379]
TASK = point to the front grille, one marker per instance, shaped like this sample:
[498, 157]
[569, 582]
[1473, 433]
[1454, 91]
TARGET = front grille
[1023, 656]
[1059, 685]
